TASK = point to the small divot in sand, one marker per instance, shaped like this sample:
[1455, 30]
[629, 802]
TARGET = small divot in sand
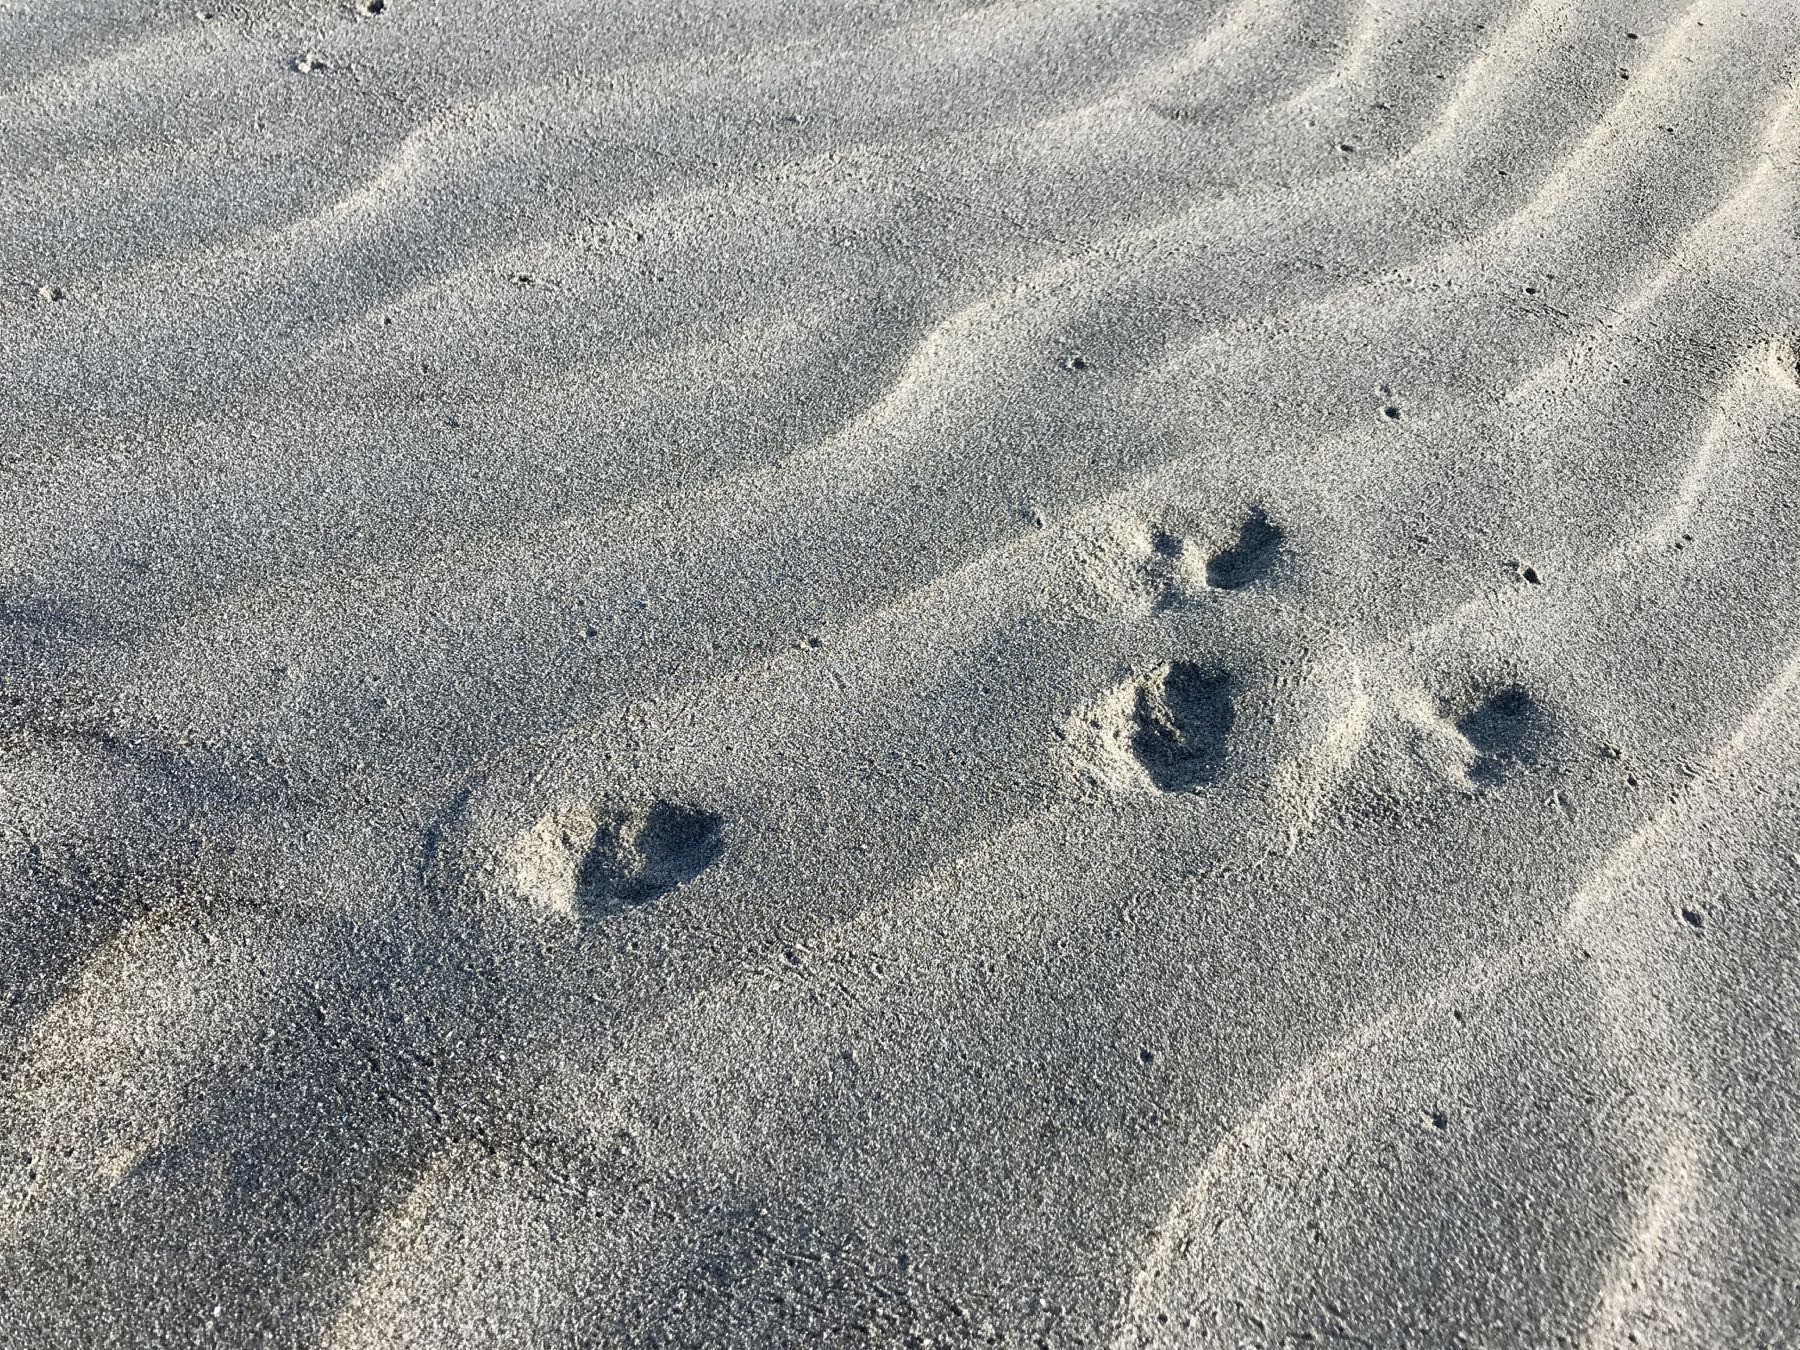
[593, 863]
[1250, 557]
[1166, 731]
[1505, 729]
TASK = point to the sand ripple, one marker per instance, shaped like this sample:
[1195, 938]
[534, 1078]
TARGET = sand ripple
[1026, 674]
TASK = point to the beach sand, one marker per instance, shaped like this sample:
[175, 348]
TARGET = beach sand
[1046, 673]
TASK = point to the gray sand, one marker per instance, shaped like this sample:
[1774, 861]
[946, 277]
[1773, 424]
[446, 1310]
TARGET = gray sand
[1046, 673]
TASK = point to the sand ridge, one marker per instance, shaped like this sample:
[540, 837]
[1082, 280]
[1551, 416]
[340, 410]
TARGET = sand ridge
[1023, 673]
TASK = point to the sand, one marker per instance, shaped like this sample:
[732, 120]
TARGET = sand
[1044, 673]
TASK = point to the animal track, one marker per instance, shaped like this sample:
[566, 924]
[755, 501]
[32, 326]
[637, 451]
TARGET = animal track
[595, 865]
[1152, 566]
[1168, 570]
[1167, 730]
[1506, 730]
[1170, 561]
[1250, 557]
[1182, 716]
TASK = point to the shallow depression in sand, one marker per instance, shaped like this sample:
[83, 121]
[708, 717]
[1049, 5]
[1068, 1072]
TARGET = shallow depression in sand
[592, 862]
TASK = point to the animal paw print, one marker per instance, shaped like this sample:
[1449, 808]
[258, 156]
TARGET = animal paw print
[1172, 562]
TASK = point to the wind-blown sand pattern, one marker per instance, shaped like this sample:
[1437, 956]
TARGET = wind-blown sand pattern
[1029, 673]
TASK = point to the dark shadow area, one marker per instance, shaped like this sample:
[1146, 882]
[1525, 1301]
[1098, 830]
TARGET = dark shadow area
[1182, 719]
[1249, 558]
[641, 854]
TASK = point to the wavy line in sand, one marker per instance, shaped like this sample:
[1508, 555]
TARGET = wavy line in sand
[1630, 996]
[1639, 999]
[920, 372]
[113, 1068]
[1096, 520]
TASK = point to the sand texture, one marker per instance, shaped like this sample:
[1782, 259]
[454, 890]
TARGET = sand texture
[1102, 673]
